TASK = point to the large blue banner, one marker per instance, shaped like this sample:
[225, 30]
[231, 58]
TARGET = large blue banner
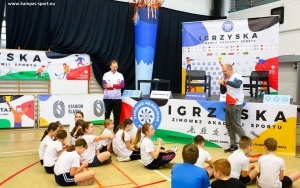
[145, 41]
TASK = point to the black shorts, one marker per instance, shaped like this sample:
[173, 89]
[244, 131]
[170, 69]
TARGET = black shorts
[245, 179]
[65, 179]
[49, 169]
[96, 162]
[287, 182]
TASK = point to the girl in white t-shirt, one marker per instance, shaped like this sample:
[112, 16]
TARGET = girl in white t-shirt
[49, 135]
[90, 153]
[123, 144]
[204, 156]
[153, 158]
[53, 150]
[68, 171]
[105, 144]
[78, 115]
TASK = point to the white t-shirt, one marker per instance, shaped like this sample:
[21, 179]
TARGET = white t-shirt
[66, 161]
[270, 166]
[112, 78]
[236, 94]
[238, 162]
[120, 146]
[147, 146]
[203, 156]
[104, 142]
[47, 139]
[89, 153]
[51, 153]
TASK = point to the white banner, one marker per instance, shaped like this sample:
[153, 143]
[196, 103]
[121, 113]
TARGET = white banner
[248, 44]
[180, 120]
[39, 65]
[63, 107]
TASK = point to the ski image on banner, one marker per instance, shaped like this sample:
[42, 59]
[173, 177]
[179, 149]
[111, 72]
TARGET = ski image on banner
[38, 65]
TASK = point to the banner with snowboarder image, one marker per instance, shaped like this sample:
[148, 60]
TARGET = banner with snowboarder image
[41, 65]
[248, 44]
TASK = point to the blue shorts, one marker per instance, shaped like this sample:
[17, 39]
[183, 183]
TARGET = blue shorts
[65, 179]
[96, 162]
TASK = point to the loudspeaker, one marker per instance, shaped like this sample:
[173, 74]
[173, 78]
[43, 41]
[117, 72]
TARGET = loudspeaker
[280, 12]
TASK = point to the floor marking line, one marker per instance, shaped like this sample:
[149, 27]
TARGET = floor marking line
[164, 176]
[117, 185]
[122, 172]
[96, 180]
[10, 177]
[21, 151]
[152, 183]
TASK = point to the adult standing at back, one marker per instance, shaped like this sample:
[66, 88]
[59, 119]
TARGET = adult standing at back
[113, 82]
[232, 84]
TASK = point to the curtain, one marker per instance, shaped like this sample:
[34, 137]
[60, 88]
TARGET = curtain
[101, 28]
[28, 26]
[2, 6]
[168, 55]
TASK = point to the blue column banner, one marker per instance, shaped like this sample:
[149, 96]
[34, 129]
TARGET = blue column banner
[145, 41]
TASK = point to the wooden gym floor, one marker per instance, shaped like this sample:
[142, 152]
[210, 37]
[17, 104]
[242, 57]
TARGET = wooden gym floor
[20, 167]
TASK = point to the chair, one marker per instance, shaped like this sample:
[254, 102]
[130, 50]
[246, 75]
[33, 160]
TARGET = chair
[200, 76]
[258, 79]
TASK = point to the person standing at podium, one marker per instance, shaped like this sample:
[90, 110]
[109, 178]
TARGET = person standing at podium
[232, 84]
[113, 82]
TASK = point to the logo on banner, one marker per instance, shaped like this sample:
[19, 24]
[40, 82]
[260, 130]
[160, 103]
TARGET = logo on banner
[98, 108]
[59, 109]
[227, 26]
[146, 111]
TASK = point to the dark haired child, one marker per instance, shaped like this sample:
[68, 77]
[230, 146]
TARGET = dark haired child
[68, 171]
[187, 174]
[53, 150]
[48, 136]
[123, 143]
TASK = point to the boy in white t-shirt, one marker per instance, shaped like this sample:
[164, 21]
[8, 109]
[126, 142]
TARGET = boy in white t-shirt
[204, 156]
[272, 168]
[240, 167]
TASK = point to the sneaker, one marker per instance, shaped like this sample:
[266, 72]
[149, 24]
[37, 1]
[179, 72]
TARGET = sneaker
[231, 149]
[123, 159]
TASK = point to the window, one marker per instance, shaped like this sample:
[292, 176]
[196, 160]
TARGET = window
[236, 5]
